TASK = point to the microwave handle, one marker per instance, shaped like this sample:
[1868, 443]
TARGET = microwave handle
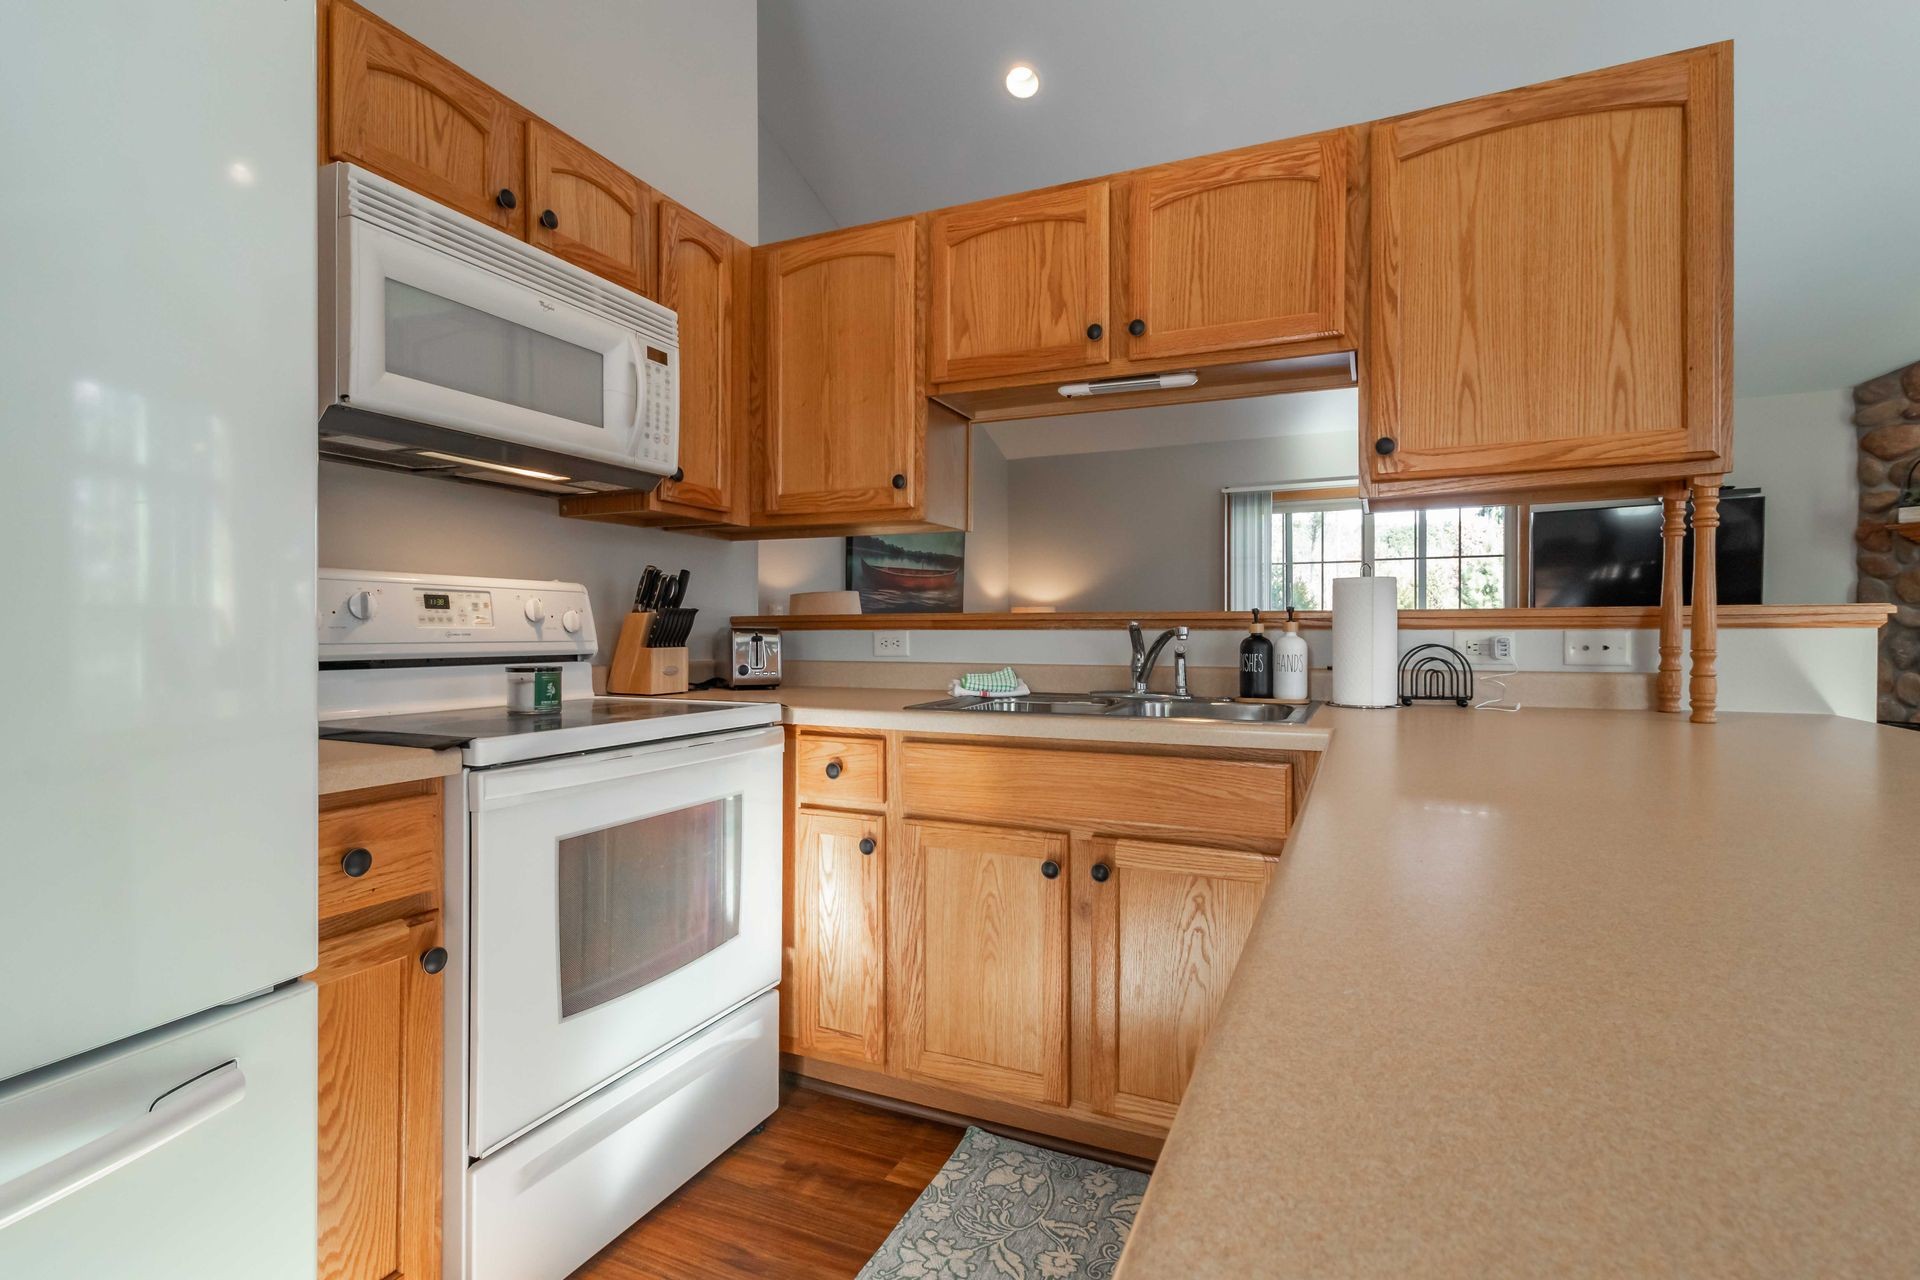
[639, 355]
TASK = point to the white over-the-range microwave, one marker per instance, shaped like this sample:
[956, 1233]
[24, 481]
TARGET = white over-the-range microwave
[450, 348]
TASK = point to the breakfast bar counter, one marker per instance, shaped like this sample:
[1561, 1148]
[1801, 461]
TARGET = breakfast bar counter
[1549, 992]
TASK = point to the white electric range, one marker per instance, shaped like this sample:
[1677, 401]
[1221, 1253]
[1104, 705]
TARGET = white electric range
[612, 909]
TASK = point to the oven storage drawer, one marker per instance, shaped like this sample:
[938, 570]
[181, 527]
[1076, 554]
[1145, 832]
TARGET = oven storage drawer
[545, 1203]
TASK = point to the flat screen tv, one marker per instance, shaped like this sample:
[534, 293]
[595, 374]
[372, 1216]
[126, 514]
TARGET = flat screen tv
[1611, 555]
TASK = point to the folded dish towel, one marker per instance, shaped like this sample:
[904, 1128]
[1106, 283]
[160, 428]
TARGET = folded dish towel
[982, 683]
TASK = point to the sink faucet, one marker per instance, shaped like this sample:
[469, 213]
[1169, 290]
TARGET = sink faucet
[1144, 656]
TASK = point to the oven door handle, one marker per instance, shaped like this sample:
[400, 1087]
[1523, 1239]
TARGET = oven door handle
[513, 784]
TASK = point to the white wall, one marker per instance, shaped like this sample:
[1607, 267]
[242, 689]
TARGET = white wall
[1143, 528]
[1800, 449]
[379, 520]
[668, 90]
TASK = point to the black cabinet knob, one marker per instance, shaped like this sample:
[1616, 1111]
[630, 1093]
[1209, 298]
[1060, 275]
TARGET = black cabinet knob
[506, 199]
[435, 960]
[833, 768]
[1102, 872]
[549, 219]
[357, 862]
[1137, 327]
[1094, 331]
[1384, 446]
[1050, 869]
[899, 482]
[679, 474]
[866, 844]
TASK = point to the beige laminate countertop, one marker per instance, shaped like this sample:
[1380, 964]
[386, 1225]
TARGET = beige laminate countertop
[352, 766]
[1559, 993]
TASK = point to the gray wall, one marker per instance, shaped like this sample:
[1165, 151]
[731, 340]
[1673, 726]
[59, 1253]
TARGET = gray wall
[378, 520]
[1143, 528]
[668, 90]
[789, 207]
[1800, 449]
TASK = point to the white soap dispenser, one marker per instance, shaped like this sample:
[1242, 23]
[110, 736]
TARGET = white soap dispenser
[1290, 662]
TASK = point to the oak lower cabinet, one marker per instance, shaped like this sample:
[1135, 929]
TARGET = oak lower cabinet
[1551, 283]
[1034, 933]
[380, 1034]
[1164, 933]
[837, 988]
[980, 927]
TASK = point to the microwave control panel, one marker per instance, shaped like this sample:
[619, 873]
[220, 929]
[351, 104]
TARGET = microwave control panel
[659, 442]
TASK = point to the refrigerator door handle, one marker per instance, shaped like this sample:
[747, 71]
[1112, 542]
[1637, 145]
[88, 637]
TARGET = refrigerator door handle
[172, 1114]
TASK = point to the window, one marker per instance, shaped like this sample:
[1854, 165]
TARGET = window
[1443, 557]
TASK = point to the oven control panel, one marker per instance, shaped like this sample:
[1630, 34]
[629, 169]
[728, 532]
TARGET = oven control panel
[373, 616]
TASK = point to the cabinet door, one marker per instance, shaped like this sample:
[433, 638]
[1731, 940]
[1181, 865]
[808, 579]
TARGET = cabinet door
[401, 110]
[980, 929]
[839, 937]
[1244, 249]
[1166, 927]
[586, 209]
[1552, 277]
[1020, 284]
[844, 399]
[380, 1103]
[699, 266]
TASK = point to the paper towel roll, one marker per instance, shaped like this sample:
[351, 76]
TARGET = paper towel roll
[1366, 642]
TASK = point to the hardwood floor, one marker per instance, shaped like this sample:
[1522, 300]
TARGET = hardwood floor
[813, 1195]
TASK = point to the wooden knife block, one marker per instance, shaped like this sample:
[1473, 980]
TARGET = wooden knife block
[637, 668]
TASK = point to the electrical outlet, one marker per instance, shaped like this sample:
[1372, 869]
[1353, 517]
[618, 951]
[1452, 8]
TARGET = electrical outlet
[1599, 649]
[1486, 650]
[889, 644]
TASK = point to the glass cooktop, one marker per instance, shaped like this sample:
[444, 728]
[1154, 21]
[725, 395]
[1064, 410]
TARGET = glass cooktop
[582, 724]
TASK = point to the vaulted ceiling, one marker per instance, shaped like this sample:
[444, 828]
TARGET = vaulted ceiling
[888, 107]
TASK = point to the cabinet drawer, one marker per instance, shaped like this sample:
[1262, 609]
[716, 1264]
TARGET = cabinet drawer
[401, 836]
[1243, 802]
[840, 771]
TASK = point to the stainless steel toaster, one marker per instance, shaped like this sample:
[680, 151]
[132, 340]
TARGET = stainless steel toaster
[751, 659]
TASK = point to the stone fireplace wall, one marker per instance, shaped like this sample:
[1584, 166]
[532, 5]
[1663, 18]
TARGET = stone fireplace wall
[1887, 416]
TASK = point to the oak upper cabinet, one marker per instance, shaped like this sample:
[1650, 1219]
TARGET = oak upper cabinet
[1020, 284]
[398, 108]
[839, 909]
[979, 944]
[380, 1127]
[1242, 249]
[1164, 932]
[703, 278]
[1551, 281]
[586, 209]
[844, 406]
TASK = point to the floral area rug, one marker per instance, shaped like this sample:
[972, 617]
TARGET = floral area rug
[1000, 1208]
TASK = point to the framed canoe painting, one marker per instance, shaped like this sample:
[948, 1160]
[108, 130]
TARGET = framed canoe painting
[908, 572]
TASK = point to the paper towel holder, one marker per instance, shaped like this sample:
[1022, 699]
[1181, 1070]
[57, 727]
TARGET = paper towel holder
[1435, 673]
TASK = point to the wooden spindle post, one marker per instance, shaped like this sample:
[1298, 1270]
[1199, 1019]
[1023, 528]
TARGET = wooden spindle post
[1704, 689]
[1673, 534]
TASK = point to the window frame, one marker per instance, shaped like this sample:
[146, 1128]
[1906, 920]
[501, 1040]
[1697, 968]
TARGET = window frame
[1289, 504]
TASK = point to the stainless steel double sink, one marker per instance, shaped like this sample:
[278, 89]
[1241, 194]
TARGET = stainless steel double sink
[1155, 706]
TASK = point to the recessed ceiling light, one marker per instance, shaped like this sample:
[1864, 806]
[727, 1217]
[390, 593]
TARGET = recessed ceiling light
[1023, 81]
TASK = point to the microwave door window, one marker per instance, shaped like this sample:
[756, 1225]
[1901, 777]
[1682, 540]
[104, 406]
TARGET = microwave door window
[435, 339]
[643, 899]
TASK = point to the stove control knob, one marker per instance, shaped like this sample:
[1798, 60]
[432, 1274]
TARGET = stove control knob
[363, 605]
[571, 621]
[535, 611]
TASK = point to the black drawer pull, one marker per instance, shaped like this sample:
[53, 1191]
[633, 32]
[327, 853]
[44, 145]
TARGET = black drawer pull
[1102, 873]
[435, 960]
[866, 844]
[833, 768]
[357, 862]
[1050, 869]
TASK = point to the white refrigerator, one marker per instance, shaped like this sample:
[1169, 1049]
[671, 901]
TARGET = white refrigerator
[157, 750]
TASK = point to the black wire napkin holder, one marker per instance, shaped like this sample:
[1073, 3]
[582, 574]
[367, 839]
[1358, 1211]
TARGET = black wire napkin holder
[1436, 673]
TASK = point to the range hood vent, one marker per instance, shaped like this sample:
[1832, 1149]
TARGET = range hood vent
[1135, 382]
[376, 440]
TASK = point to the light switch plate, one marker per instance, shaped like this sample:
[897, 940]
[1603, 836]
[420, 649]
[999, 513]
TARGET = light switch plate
[1599, 649]
[889, 644]
[1487, 650]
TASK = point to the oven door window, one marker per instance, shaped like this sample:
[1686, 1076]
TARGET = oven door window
[463, 348]
[640, 900]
